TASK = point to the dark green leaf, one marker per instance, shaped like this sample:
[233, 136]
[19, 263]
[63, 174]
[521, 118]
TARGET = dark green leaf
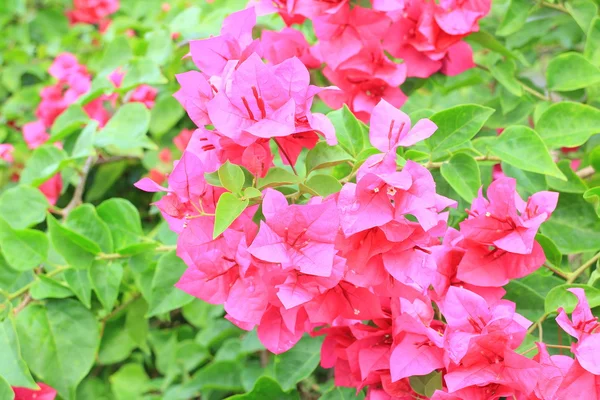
[350, 132]
[592, 196]
[105, 278]
[324, 155]
[298, 363]
[561, 297]
[79, 282]
[267, 388]
[277, 177]
[165, 297]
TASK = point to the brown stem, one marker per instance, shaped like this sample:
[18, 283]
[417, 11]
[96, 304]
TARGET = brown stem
[78, 194]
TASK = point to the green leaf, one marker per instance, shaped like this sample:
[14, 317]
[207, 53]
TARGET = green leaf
[79, 282]
[529, 302]
[251, 193]
[350, 132]
[277, 177]
[528, 183]
[23, 206]
[593, 196]
[164, 296]
[142, 71]
[12, 366]
[222, 375]
[105, 178]
[105, 278]
[522, 147]
[228, 209]
[571, 71]
[84, 146]
[123, 220]
[72, 119]
[127, 129]
[59, 342]
[324, 156]
[323, 185]
[342, 393]
[553, 255]
[44, 162]
[136, 323]
[116, 54]
[568, 124]
[592, 43]
[298, 363]
[267, 388]
[574, 226]
[515, 17]
[574, 183]
[457, 125]
[85, 221]
[164, 115]
[462, 173]
[490, 42]
[116, 343]
[48, 288]
[232, 177]
[427, 384]
[6, 392]
[23, 249]
[504, 72]
[77, 250]
[129, 382]
[160, 46]
[583, 11]
[561, 297]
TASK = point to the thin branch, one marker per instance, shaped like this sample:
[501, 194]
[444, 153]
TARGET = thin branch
[116, 256]
[26, 288]
[557, 271]
[26, 300]
[533, 92]
[434, 165]
[586, 172]
[575, 274]
[558, 7]
[121, 307]
[113, 159]
[78, 194]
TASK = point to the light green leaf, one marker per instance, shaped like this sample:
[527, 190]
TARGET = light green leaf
[529, 302]
[574, 183]
[342, 393]
[568, 124]
[59, 342]
[231, 177]
[522, 147]
[77, 250]
[123, 220]
[515, 17]
[574, 226]
[129, 382]
[490, 42]
[105, 278]
[164, 115]
[6, 392]
[457, 125]
[592, 196]
[142, 71]
[85, 221]
[267, 388]
[12, 366]
[528, 183]
[322, 185]
[427, 384]
[160, 46]
[592, 43]
[228, 209]
[127, 129]
[136, 323]
[553, 255]
[164, 296]
[79, 282]
[84, 146]
[48, 288]
[23, 249]
[350, 132]
[571, 71]
[583, 11]
[298, 363]
[23, 206]
[221, 375]
[277, 177]
[324, 155]
[68, 122]
[462, 173]
[561, 297]
[44, 162]
[105, 178]
[116, 54]
[504, 72]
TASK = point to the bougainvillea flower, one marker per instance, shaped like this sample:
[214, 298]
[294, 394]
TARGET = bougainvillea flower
[6, 152]
[298, 237]
[144, 94]
[92, 11]
[52, 188]
[552, 374]
[234, 43]
[285, 44]
[34, 134]
[461, 17]
[194, 94]
[44, 392]
[582, 323]
[458, 59]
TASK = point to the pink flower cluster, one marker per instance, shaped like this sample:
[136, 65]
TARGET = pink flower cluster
[355, 44]
[371, 252]
[92, 11]
[44, 392]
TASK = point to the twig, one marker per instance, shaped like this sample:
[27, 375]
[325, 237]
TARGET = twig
[289, 160]
[78, 194]
[112, 159]
[586, 172]
[575, 274]
[533, 92]
[121, 307]
[116, 256]
[26, 300]
[26, 288]
[557, 271]
[558, 7]
[536, 323]
[434, 165]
